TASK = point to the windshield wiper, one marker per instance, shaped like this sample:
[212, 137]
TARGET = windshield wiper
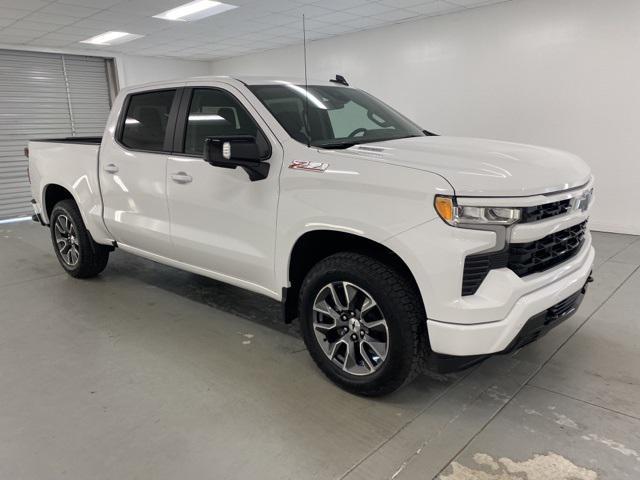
[336, 145]
[343, 145]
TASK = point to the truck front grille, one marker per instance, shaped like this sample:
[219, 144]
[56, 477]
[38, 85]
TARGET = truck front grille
[548, 210]
[543, 254]
[524, 258]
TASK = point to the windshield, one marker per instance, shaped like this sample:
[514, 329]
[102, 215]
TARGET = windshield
[339, 117]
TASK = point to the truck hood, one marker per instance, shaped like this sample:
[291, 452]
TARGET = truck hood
[488, 168]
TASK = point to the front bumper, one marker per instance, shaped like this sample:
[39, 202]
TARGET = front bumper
[536, 327]
[488, 321]
[493, 337]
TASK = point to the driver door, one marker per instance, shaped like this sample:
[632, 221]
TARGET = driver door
[221, 221]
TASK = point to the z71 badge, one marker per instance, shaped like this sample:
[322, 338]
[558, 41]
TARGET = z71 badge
[309, 166]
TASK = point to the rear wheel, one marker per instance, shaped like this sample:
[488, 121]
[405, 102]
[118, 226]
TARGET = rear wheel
[78, 254]
[363, 323]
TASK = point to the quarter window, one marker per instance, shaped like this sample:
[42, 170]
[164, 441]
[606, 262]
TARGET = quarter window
[215, 113]
[145, 124]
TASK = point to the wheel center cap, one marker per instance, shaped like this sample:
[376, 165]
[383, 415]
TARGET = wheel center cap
[354, 325]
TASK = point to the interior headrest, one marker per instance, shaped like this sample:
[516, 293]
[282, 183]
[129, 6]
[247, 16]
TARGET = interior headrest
[229, 115]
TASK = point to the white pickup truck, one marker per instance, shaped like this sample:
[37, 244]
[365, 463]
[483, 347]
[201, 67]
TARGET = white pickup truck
[396, 248]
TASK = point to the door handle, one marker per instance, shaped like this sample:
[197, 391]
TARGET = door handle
[111, 168]
[182, 177]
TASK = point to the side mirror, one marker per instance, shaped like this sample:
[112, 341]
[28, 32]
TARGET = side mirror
[243, 151]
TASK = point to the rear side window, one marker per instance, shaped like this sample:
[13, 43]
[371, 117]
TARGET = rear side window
[145, 123]
[215, 113]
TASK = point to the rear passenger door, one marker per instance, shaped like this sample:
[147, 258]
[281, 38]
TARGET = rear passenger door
[133, 169]
[220, 220]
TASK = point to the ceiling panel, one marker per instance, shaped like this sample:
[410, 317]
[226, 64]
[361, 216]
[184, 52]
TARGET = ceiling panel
[439, 7]
[474, 3]
[44, 17]
[401, 3]
[254, 26]
[92, 3]
[74, 11]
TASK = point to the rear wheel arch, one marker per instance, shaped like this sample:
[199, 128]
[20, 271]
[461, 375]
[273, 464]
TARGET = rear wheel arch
[313, 246]
[53, 194]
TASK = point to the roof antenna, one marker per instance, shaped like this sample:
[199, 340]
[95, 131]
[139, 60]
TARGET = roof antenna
[306, 85]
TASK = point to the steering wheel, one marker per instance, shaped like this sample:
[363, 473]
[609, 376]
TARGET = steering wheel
[357, 131]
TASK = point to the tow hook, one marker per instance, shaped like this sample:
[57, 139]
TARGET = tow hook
[589, 280]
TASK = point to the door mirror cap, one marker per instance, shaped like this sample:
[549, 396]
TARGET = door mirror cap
[235, 151]
[218, 150]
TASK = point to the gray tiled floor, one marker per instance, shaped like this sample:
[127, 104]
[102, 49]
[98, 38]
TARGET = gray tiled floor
[149, 372]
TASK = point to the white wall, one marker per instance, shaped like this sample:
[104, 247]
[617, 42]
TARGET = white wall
[559, 73]
[133, 70]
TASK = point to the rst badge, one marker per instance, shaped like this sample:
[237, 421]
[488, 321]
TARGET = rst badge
[308, 166]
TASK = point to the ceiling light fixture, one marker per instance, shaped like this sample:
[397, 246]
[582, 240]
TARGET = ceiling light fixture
[111, 38]
[195, 10]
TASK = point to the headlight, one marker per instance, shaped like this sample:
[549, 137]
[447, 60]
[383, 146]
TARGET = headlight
[455, 214]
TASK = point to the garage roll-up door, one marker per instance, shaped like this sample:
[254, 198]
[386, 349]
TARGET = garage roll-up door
[44, 95]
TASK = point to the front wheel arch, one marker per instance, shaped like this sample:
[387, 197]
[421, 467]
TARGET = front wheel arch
[316, 245]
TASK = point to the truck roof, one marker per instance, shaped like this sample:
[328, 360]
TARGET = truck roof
[244, 79]
[263, 80]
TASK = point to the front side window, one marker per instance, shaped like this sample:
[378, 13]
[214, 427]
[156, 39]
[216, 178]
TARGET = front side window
[338, 117]
[145, 123]
[215, 113]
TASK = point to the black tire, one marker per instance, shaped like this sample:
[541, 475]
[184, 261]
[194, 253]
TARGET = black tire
[91, 258]
[400, 306]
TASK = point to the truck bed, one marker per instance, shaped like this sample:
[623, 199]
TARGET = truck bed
[70, 163]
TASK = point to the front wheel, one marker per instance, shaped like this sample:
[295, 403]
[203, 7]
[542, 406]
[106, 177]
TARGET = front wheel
[363, 323]
[78, 254]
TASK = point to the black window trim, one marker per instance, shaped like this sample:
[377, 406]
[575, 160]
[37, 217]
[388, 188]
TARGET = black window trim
[171, 122]
[180, 130]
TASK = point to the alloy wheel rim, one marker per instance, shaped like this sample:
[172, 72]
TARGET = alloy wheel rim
[67, 240]
[350, 328]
